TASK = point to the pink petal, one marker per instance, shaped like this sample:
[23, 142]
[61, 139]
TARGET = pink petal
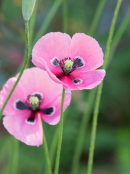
[29, 134]
[52, 76]
[37, 80]
[55, 118]
[89, 80]
[87, 48]
[17, 94]
[38, 62]
[49, 46]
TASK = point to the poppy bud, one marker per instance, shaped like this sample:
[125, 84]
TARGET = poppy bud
[27, 8]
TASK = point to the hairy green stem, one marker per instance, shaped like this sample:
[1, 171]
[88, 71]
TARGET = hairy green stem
[60, 135]
[55, 138]
[47, 155]
[75, 165]
[48, 19]
[31, 30]
[96, 17]
[23, 68]
[120, 31]
[54, 145]
[82, 132]
[111, 34]
[54, 142]
[90, 102]
[96, 109]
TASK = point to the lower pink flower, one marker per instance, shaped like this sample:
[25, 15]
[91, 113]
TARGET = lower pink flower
[36, 96]
[70, 62]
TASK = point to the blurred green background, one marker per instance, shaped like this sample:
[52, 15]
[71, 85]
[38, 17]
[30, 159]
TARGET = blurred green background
[112, 151]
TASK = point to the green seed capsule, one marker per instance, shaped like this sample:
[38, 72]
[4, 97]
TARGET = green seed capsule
[27, 8]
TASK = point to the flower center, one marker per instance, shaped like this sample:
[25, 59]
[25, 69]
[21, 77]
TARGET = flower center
[68, 65]
[34, 101]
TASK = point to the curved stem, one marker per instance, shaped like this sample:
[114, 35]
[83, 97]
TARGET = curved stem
[23, 68]
[111, 34]
[82, 132]
[96, 110]
[119, 33]
[60, 135]
[54, 146]
[90, 102]
[54, 142]
[55, 138]
[47, 155]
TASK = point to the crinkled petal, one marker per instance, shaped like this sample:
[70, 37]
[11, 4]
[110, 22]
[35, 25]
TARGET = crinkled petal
[49, 46]
[84, 80]
[88, 49]
[55, 118]
[18, 93]
[29, 134]
[52, 76]
[35, 80]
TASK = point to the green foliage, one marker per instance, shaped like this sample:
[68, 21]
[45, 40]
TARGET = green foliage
[11, 9]
[112, 142]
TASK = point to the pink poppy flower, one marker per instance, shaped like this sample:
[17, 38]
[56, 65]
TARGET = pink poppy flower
[70, 62]
[36, 96]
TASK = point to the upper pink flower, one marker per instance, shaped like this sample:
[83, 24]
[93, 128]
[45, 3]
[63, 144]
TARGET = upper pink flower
[70, 62]
[35, 96]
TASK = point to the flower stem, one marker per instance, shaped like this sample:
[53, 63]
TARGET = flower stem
[90, 101]
[96, 110]
[82, 132]
[54, 142]
[55, 137]
[60, 135]
[119, 33]
[23, 68]
[111, 34]
[54, 145]
[47, 155]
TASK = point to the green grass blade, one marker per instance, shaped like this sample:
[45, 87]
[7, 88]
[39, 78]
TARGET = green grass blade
[96, 109]
[48, 19]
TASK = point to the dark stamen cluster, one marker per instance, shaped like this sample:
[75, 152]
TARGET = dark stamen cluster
[34, 108]
[28, 101]
[65, 71]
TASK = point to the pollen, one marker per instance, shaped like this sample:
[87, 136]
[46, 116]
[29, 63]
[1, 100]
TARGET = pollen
[34, 100]
[68, 65]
